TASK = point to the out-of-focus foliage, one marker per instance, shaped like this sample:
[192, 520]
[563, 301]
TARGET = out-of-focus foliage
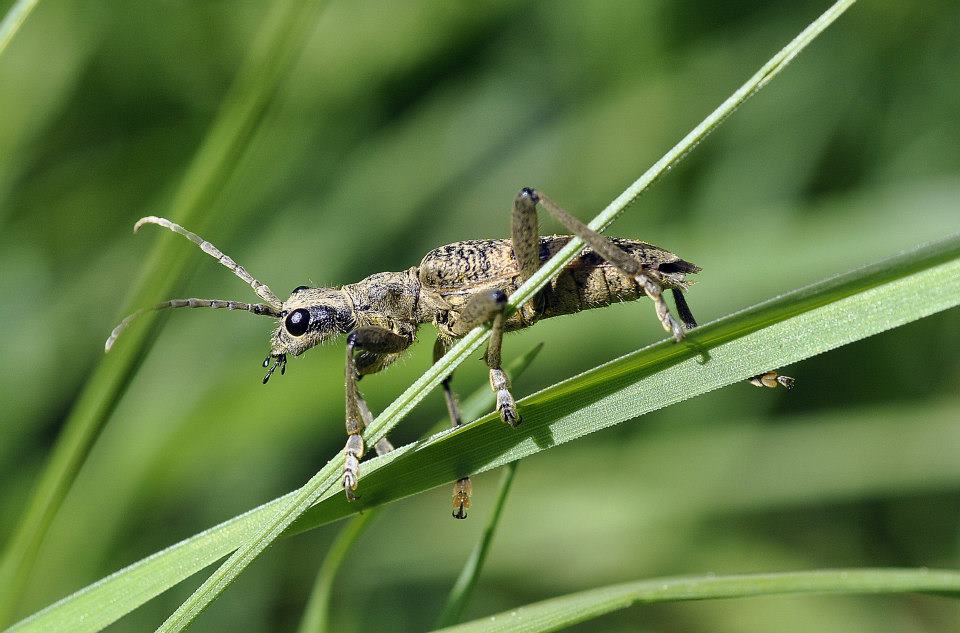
[408, 125]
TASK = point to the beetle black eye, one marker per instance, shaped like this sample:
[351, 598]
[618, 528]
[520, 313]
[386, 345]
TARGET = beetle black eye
[298, 289]
[297, 322]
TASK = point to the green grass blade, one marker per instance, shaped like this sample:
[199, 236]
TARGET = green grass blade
[286, 513]
[463, 588]
[327, 478]
[13, 20]
[96, 606]
[316, 617]
[281, 37]
[786, 329]
[559, 613]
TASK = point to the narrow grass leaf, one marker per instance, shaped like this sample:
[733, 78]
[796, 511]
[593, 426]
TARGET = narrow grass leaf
[559, 613]
[13, 20]
[316, 617]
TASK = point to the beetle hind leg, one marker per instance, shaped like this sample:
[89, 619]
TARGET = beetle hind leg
[770, 379]
[526, 240]
[655, 292]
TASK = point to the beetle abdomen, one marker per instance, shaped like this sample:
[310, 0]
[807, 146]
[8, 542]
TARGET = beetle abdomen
[590, 282]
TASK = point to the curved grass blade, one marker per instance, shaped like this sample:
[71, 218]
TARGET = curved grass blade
[326, 479]
[559, 613]
[783, 330]
[13, 20]
[279, 40]
[316, 617]
[462, 589]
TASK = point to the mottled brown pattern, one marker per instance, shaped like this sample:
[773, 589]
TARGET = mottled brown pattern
[587, 282]
[456, 287]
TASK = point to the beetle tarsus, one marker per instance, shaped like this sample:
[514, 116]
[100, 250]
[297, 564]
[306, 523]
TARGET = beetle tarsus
[771, 380]
[462, 490]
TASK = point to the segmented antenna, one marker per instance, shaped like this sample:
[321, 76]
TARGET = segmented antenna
[256, 308]
[260, 288]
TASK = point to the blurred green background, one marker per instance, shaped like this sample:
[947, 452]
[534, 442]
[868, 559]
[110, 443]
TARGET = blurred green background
[403, 126]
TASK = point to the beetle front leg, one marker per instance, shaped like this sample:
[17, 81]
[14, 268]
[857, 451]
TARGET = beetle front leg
[375, 340]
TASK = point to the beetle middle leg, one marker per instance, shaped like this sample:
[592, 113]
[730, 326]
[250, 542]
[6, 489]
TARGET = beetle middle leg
[463, 487]
[526, 247]
[488, 306]
[373, 344]
[453, 408]
[483, 307]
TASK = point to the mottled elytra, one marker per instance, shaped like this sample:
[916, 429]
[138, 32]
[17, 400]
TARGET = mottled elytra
[456, 288]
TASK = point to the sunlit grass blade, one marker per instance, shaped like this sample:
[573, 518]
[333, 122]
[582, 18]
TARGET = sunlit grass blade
[316, 618]
[559, 613]
[194, 203]
[13, 20]
[786, 329]
[327, 477]
[463, 588]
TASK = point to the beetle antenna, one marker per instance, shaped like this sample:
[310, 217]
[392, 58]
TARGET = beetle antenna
[256, 308]
[260, 288]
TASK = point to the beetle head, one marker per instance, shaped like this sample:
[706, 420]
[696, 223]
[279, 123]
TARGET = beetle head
[309, 317]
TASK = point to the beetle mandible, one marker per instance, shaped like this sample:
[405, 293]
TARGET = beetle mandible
[456, 288]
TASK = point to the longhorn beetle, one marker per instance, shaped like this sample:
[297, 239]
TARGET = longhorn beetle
[456, 287]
